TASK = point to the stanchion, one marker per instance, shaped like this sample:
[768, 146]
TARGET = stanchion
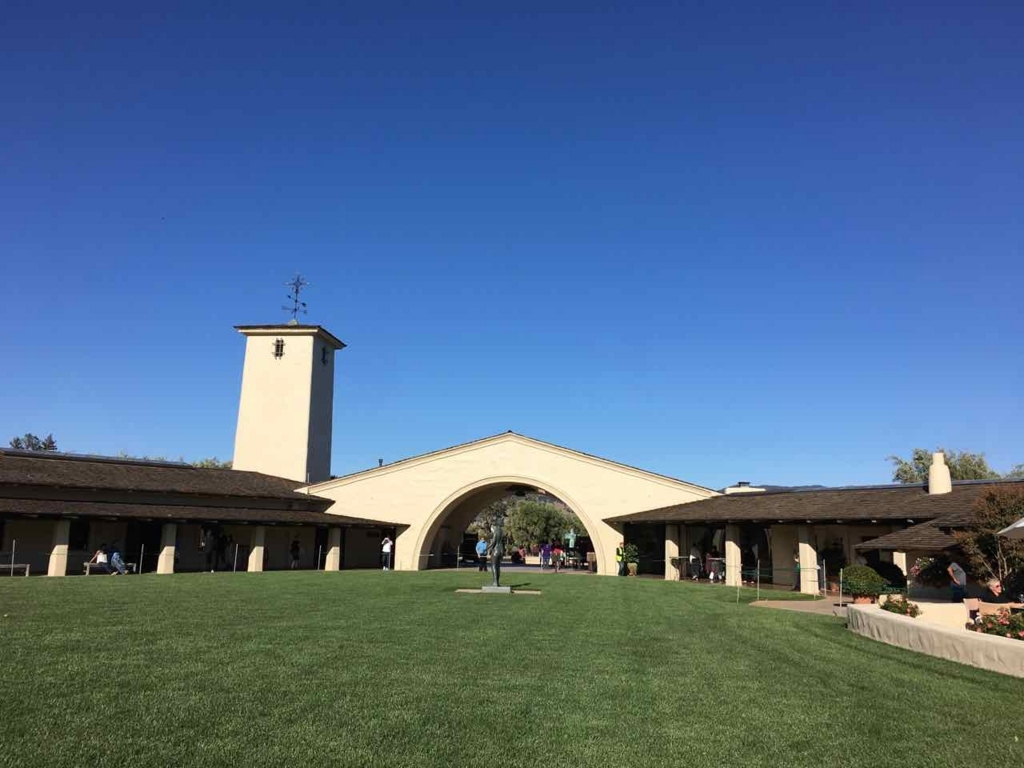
[319, 551]
[840, 587]
[142, 555]
[234, 568]
[14, 547]
[758, 599]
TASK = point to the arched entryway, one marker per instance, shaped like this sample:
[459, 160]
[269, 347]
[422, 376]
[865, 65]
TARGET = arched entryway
[421, 494]
[446, 525]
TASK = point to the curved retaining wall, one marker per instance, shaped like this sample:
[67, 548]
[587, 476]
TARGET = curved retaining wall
[998, 654]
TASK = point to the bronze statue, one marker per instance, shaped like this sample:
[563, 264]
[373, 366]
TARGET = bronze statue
[497, 548]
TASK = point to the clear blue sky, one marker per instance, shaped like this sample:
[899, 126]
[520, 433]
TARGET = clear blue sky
[764, 242]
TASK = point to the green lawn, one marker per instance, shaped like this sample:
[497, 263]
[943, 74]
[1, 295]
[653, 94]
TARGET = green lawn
[370, 668]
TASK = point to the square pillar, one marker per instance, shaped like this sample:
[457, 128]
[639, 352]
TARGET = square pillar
[808, 560]
[333, 560]
[899, 559]
[733, 566]
[783, 550]
[671, 552]
[259, 533]
[58, 565]
[168, 540]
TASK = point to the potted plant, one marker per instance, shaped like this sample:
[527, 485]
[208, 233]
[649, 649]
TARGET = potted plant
[863, 583]
[632, 555]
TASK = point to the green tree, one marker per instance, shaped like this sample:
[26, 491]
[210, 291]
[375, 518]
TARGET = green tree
[212, 463]
[482, 523]
[1017, 473]
[531, 522]
[988, 554]
[30, 442]
[962, 466]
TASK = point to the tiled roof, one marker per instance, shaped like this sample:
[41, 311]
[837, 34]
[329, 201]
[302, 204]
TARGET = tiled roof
[926, 536]
[56, 470]
[889, 502]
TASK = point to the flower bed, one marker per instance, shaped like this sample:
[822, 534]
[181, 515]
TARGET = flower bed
[899, 604]
[1002, 624]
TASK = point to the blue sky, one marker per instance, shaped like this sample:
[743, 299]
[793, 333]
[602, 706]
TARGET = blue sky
[747, 242]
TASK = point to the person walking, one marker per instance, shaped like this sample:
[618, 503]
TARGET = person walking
[556, 556]
[545, 555]
[385, 553]
[481, 555]
[295, 554]
[620, 558]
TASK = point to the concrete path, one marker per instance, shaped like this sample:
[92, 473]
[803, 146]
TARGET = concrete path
[828, 606]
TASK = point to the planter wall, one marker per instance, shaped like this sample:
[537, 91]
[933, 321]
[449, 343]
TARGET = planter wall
[998, 654]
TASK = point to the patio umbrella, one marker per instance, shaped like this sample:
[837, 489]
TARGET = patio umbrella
[1015, 531]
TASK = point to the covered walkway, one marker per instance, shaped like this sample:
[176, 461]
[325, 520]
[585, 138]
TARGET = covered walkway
[57, 510]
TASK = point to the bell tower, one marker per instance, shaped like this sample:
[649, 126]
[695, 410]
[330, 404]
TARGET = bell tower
[286, 407]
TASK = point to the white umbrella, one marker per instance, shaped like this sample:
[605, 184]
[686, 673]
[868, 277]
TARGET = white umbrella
[1015, 531]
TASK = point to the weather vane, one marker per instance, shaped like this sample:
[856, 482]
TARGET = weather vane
[298, 307]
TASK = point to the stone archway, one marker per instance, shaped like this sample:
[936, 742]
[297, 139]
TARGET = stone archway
[477, 491]
[417, 494]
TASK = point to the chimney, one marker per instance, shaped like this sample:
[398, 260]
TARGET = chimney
[743, 483]
[380, 462]
[938, 475]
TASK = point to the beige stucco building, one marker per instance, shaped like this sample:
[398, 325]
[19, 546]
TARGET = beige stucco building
[280, 499]
[434, 497]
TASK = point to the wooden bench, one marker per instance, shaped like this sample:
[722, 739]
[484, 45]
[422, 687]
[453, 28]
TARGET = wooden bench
[8, 569]
[90, 567]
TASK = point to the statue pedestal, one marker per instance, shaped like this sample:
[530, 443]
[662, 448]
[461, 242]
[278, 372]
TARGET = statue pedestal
[496, 590]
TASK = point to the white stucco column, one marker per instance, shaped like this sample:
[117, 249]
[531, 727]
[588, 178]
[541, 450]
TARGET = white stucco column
[58, 565]
[733, 566]
[671, 552]
[256, 540]
[808, 560]
[333, 560]
[168, 540]
[783, 549]
[899, 559]
[404, 554]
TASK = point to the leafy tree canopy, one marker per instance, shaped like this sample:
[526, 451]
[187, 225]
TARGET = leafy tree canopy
[963, 465]
[30, 442]
[211, 463]
[529, 520]
[989, 555]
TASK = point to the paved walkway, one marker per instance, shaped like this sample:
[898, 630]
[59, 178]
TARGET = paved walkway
[828, 606]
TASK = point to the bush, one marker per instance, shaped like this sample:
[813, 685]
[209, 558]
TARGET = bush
[899, 604]
[1002, 624]
[861, 581]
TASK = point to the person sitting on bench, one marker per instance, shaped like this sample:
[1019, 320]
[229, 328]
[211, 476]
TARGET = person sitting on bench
[100, 559]
[118, 564]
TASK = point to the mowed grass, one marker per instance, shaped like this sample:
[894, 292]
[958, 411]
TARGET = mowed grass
[374, 669]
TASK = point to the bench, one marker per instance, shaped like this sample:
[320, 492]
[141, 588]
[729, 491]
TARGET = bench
[10, 568]
[90, 567]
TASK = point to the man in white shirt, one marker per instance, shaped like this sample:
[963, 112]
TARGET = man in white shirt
[385, 553]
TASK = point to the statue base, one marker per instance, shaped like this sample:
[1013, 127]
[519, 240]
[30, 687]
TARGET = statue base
[496, 590]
